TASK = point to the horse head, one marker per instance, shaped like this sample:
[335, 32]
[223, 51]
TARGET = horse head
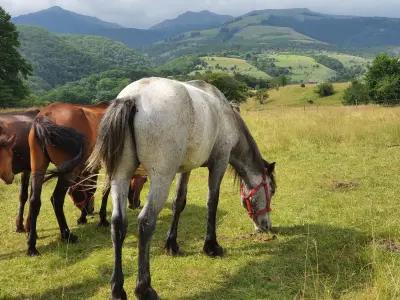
[257, 199]
[7, 143]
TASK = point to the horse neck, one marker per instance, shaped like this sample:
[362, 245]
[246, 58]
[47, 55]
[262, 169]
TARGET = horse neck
[246, 158]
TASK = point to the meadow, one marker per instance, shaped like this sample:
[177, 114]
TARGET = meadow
[335, 218]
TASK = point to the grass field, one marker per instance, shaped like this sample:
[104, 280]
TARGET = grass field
[295, 95]
[231, 64]
[336, 217]
[303, 68]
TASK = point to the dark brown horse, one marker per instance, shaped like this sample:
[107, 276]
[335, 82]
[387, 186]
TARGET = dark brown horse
[65, 134]
[14, 154]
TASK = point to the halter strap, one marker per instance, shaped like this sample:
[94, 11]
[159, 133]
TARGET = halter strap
[247, 199]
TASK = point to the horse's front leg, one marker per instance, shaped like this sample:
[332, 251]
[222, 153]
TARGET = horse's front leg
[158, 194]
[57, 200]
[135, 189]
[216, 173]
[178, 206]
[23, 197]
[103, 209]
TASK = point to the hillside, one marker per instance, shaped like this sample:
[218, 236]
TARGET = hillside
[60, 59]
[294, 95]
[192, 21]
[229, 65]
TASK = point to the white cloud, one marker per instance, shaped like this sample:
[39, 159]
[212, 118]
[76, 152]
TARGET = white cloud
[143, 13]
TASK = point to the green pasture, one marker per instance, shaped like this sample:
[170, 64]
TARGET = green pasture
[335, 218]
[231, 65]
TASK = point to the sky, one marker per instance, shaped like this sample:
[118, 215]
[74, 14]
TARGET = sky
[144, 13]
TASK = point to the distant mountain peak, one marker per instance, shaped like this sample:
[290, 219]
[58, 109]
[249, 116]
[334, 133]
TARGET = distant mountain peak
[58, 19]
[192, 20]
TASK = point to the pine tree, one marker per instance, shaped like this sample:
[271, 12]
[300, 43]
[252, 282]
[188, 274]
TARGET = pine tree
[13, 67]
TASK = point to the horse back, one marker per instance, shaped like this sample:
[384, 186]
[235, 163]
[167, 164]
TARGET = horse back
[84, 119]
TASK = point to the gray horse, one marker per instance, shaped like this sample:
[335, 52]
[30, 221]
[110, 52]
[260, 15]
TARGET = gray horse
[172, 127]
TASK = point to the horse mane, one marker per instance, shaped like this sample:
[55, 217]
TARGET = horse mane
[254, 151]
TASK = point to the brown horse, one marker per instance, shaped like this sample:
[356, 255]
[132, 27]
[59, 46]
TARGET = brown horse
[15, 159]
[65, 134]
[14, 154]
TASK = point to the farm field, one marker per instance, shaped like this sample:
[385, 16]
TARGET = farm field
[231, 64]
[335, 217]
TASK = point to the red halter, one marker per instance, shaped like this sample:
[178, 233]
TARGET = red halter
[247, 199]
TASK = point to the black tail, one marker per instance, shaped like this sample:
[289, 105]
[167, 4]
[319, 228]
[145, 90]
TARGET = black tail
[112, 132]
[63, 138]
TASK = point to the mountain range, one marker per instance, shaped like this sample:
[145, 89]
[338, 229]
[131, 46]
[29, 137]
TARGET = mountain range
[209, 31]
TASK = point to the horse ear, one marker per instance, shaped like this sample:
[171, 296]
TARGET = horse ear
[11, 140]
[270, 168]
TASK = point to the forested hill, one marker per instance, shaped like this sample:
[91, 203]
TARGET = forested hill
[60, 59]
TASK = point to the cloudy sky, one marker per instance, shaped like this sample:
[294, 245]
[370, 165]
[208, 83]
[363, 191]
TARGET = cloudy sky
[144, 13]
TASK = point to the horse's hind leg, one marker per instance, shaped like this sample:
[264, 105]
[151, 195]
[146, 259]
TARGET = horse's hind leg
[57, 200]
[158, 194]
[178, 206]
[23, 197]
[119, 191]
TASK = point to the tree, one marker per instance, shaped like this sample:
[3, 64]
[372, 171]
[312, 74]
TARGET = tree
[262, 95]
[383, 80]
[233, 89]
[13, 67]
[356, 93]
[325, 89]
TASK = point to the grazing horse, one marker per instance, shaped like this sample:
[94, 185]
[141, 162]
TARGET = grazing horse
[65, 134]
[14, 154]
[172, 127]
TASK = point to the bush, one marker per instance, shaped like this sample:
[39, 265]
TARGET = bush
[356, 93]
[325, 89]
[383, 80]
[233, 89]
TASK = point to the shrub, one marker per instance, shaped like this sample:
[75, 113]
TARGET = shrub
[325, 89]
[356, 93]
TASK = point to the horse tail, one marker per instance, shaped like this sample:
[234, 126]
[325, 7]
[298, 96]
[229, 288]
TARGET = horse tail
[63, 138]
[113, 128]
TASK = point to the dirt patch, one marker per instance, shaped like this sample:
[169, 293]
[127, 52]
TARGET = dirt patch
[344, 185]
[389, 245]
[257, 237]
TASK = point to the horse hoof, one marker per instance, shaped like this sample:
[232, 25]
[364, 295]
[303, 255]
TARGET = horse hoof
[103, 223]
[121, 296]
[82, 221]
[32, 252]
[69, 238]
[172, 247]
[134, 206]
[20, 228]
[148, 294]
[211, 248]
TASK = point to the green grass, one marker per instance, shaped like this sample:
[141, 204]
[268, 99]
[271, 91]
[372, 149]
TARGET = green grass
[227, 64]
[336, 214]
